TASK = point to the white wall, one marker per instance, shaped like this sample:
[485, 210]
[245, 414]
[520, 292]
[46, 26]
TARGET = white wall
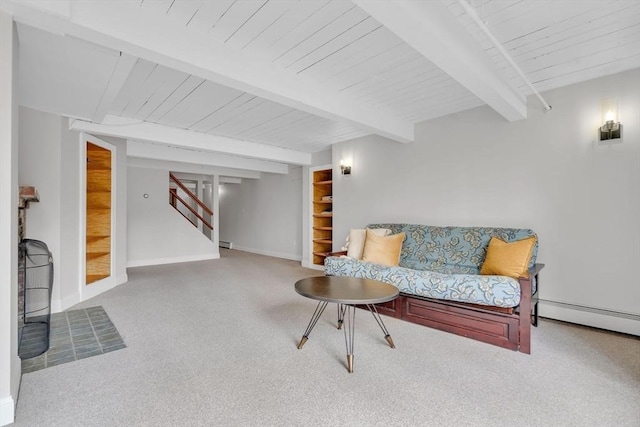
[157, 233]
[39, 166]
[50, 160]
[67, 259]
[9, 362]
[264, 215]
[547, 173]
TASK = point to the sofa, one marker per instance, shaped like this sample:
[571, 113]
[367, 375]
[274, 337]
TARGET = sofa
[438, 275]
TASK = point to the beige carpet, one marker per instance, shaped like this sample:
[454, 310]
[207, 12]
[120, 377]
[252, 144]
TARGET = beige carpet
[214, 343]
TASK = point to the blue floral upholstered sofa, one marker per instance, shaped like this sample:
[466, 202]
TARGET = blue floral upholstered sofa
[441, 286]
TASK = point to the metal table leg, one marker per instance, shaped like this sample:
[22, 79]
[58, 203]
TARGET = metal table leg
[341, 308]
[349, 334]
[374, 312]
[314, 319]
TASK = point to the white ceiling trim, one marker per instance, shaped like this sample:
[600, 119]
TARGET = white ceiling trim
[187, 139]
[146, 150]
[200, 169]
[230, 180]
[125, 27]
[431, 29]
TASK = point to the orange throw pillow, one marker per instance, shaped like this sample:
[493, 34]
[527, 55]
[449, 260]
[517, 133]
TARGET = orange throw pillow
[508, 259]
[382, 250]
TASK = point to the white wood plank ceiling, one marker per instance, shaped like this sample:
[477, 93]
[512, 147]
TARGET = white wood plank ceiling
[559, 42]
[159, 94]
[302, 75]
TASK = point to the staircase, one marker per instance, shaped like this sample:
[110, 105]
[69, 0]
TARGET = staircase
[189, 205]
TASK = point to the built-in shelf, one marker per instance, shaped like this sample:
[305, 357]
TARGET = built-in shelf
[98, 213]
[328, 241]
[322, 220]
[95, 277]
[96, 255]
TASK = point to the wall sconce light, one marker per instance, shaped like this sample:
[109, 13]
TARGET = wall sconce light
[345, 169]
[611, 129]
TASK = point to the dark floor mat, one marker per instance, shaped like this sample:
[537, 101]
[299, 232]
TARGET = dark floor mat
[75, 335]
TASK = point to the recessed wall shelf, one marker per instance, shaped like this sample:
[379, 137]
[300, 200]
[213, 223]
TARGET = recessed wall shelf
[322, 215]
[98, 231]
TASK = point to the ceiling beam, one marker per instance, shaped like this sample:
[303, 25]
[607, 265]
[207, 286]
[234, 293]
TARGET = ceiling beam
[147, 150]
[187, 139]
[186, 176]
[230, 180]
[58, 7]
[432, 30]
[118, 77]
[192, 168]
[126, 27]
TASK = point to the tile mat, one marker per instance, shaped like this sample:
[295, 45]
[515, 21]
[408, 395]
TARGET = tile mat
[75, 335]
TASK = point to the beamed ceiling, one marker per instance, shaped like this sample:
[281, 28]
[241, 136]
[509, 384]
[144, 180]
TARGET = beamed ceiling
[262, 84]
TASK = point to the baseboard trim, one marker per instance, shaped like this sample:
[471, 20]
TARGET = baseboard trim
[64, 303]
[626, 323]
[7, 410]
[274, 254]
[307, 264]
[98, 287]
[172, 260]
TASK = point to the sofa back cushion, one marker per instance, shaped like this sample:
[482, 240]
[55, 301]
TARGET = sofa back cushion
[451, 250]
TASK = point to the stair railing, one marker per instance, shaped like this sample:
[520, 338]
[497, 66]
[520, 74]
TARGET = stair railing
[174, 198]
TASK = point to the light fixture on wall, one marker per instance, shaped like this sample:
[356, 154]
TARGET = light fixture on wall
[611, 129]
[345, 169]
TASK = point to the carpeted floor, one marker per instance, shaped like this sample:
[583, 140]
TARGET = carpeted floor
[214, 343]
[75, 335]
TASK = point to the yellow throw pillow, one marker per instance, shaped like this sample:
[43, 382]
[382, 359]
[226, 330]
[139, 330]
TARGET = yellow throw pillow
[357, 237]
[382, 250]
[508, 259]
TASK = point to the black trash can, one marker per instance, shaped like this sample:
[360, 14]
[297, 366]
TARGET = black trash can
[36, 277]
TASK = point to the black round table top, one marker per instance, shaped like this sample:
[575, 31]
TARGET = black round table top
[346, 290]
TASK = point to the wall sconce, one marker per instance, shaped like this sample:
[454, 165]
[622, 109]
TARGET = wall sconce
[345, 169]
[611, 129]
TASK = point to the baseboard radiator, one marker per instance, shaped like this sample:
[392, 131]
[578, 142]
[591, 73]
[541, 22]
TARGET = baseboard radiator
[225, 244]
[601, 311]
[628, 323]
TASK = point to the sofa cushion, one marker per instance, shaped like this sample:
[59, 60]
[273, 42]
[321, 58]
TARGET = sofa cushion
[455, 250]
[383, 250]
[498, 291]
[508, 258]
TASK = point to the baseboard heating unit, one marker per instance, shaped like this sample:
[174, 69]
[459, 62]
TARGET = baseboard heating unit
[226, 245]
